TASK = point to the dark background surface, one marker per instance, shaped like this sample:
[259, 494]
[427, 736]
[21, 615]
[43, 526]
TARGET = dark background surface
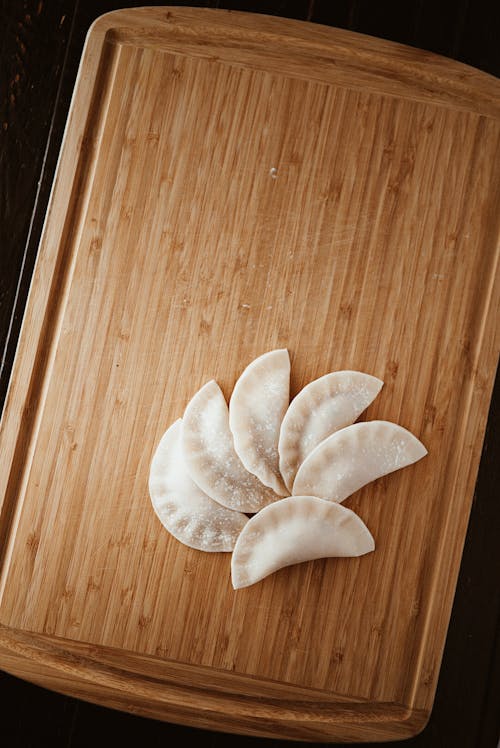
[40, 48]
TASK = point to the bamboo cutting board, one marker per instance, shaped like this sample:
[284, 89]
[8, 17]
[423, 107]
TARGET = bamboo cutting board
[230, 184]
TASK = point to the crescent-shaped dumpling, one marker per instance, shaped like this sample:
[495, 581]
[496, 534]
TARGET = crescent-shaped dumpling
[210, 456]
[183, 509]
[296, 529]
[256, 409]
[324, 406]
[354, 456]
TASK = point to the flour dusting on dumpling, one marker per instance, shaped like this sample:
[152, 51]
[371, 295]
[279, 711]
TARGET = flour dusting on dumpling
[184, 510]
[355, 456]
[256, 409]
[322, 407]
[296, 529]
[210, 456]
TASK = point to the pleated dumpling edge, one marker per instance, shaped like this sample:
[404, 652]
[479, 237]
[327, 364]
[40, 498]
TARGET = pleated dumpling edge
[294, 530]
[184, 510]
[354, 456]
[210, 456]
[257, 406]
[322, 407]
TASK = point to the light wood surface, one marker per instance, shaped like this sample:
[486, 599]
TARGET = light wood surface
[230, 184]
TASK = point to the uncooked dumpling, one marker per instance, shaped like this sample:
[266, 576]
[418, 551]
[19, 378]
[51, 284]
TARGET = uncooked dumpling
[324, 406]
[256, 409]
[210, 456]
[354, 456]
[296, 529]
[184, 510]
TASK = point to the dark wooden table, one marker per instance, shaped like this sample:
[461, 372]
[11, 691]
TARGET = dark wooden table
[41, 43]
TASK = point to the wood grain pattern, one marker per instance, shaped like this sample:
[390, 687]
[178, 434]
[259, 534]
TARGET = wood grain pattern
[373, 248]
[196, 696]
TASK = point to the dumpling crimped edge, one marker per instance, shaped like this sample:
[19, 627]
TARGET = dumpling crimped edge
[185, 511]
[322, 407]
[354, 456]
[294, 530]
[257, 405]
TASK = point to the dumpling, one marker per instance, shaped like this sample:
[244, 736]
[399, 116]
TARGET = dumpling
[256, 409]
[210, 457]
[296, 529]
[324, 406]
[354, 456]
[183, 509]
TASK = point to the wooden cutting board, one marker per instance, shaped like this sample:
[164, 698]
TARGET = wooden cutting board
[230, 184]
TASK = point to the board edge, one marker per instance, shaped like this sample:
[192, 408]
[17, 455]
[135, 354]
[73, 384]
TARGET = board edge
[342, 54]
[100, 675]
